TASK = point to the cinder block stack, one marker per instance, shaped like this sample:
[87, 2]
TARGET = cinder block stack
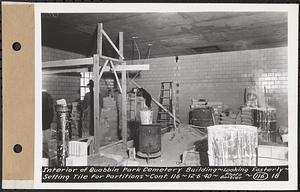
[106, 85]
[247, 116]
[230, 119]
[217, 109]
[109, 121]
[196, 103]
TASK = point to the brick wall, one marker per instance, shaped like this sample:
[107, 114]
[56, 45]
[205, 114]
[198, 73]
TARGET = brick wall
[222, 77]
[61, 85]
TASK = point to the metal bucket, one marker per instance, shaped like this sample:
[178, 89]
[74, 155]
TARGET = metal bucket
[62, 134]
[146, 117]
[149, 145]
[232, 145]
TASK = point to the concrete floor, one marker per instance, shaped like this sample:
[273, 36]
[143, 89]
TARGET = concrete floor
[173, 144]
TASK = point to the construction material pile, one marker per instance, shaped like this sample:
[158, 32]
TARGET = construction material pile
[108, 121]
[247, 116]
[232, 145]
[228, 116]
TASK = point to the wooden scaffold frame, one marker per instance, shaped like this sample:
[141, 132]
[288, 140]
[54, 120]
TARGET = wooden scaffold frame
[100, 64]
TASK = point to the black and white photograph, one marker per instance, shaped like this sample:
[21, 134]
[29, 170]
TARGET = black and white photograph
[158, 92]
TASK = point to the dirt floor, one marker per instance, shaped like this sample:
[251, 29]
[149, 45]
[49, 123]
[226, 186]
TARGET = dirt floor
[173, 145]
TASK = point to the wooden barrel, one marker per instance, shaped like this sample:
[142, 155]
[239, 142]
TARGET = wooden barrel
[232, 145]
[149, 145]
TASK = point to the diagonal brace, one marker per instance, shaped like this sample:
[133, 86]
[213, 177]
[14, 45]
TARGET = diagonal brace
[112, 44]
[102, 70]
[115, 73]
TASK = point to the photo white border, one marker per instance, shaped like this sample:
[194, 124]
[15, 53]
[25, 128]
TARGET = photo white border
[292, 10]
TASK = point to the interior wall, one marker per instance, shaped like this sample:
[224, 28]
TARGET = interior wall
[221, 77]
[60, 86]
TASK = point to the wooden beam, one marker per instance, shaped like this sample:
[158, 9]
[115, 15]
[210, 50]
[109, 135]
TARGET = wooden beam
[99, 39]
[105, 69]
[68, 63]
[157, 103]
[111, 59]
[96, 107]
[79, 70]
[116, 76]
[128, 68]
[110, 145]
[132, 67]
[112, 44]
[96, 67]
[124, 95]
[102, 70]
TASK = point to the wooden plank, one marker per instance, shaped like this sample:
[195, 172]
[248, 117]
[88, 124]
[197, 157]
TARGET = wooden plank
[96, 107]
[97, 128]
[68, 63]
[116, 76]
[112, 44]
[99, 39]
[85, 69]
[157, 103]
[110, 58]
[79, 70]
[124, 96]
[132, 67]
[105, 69]
[102, 70]
[128, 68]
[115, 144]
[111, 144]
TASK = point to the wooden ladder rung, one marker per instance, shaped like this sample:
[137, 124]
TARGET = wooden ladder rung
[165, 100]
[163, 120]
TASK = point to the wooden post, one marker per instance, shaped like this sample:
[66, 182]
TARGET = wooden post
[97, 128]
[95, 103]
[124, 96]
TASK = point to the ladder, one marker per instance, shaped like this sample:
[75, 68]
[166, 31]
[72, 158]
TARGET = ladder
[134, 105]
[165, 99]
